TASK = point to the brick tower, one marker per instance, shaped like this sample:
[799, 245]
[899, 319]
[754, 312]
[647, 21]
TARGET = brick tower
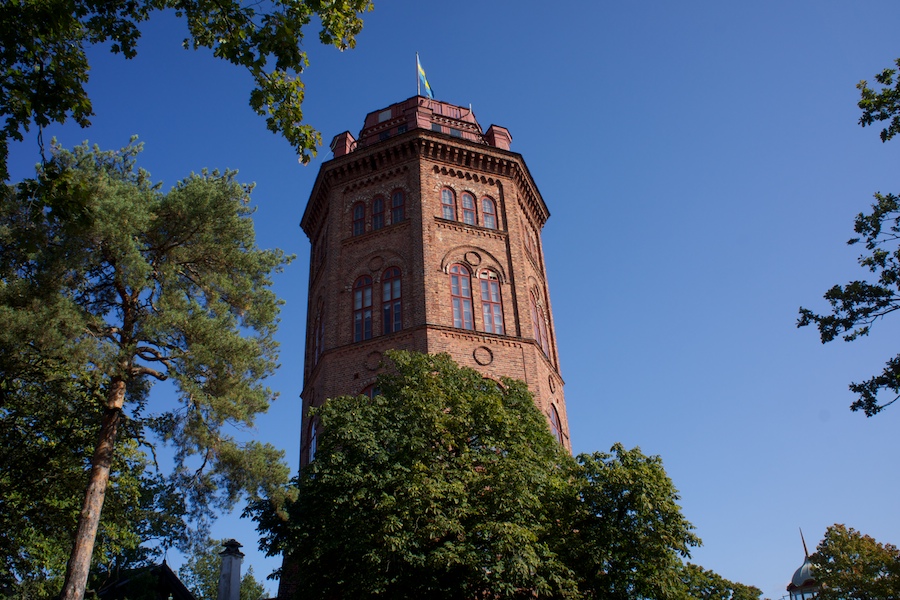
[425, 236]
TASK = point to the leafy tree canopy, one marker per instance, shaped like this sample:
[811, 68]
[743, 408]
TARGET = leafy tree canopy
[851, 566]
[107, 284]
[703, 584]
[201, 573]
[44, 67]
[625, 534]
[858, 305]
[450, 485]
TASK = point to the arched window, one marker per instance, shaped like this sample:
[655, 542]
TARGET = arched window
[468, 208]
[461, 297]
[313, 440]
[545, 338]
[489, 213]
[540, 326]
[319, 333]
[377, 213]
[491, 307]
[530, 239]
[359, 218]
[362, 309]
[370, 390]
[448, 204]
[391, 304]
[555, 424]
[398, 206]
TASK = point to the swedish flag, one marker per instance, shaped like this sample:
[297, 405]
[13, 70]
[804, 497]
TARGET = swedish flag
[424, 80]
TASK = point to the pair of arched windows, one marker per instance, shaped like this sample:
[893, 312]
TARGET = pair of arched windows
[391, 305]
[461, 299]
[382, 208]
[468, 209]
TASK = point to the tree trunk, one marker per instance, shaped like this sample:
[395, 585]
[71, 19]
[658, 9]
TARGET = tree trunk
[80, 560]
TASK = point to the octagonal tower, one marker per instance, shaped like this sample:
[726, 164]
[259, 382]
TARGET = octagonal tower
[426, 235]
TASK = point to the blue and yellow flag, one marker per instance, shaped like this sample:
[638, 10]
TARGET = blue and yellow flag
[423, 80]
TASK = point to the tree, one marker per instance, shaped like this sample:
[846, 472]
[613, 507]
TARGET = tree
[703, 584]
[48, 424]
[624, 533]
[43, 65]
[434, 488]
[450, 485]
[201, 573]
[45, 437]
[142, 285]
[851, 566]
[858, 305]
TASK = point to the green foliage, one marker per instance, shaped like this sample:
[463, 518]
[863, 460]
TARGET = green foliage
[852, 566]
[858, 305]
[201, 573]
[449, 485]
[703, 584]
[44, 68]
[625, 534]
[432, 489]
[881, 104]
[105, 278]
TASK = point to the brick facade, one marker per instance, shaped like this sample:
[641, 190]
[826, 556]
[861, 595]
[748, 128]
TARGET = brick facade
[420, 148]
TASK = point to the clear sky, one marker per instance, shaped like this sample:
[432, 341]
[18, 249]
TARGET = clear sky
[702, 163]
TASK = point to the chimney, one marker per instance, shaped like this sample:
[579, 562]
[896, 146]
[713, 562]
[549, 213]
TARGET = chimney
[498, 137]
[343, 143]
[230, 575]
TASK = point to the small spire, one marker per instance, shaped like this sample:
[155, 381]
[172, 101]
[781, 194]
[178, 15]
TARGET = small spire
[805, 551]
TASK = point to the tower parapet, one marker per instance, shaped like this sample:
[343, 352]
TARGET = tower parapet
[419, 112]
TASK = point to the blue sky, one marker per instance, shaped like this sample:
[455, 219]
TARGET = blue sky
[702, 163]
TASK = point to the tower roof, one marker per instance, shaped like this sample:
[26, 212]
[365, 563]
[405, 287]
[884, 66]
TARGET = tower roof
[803, 577]
[420, 112]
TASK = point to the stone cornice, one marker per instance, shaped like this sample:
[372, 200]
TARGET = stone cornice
[487, 232]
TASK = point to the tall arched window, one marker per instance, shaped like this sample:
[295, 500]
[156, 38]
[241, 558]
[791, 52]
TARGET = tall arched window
[319, 333]
[468, 208]
[371, 391]
[555, 424]
[540, 326]
[448, 204]
[491, 307]
[489, 213]
[398, 206]
[461, 297]
[359, 218]
[377, 213]
[362, 309]
[313, 440]
[391, 303]
[545, 338]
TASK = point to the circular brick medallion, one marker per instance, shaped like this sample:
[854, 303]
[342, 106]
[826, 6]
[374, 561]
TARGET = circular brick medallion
[473, 258]
[373, 360]
[375, 263]
[483, 355]
[551, 383]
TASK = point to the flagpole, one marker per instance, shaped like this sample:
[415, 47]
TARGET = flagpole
[418, 83]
